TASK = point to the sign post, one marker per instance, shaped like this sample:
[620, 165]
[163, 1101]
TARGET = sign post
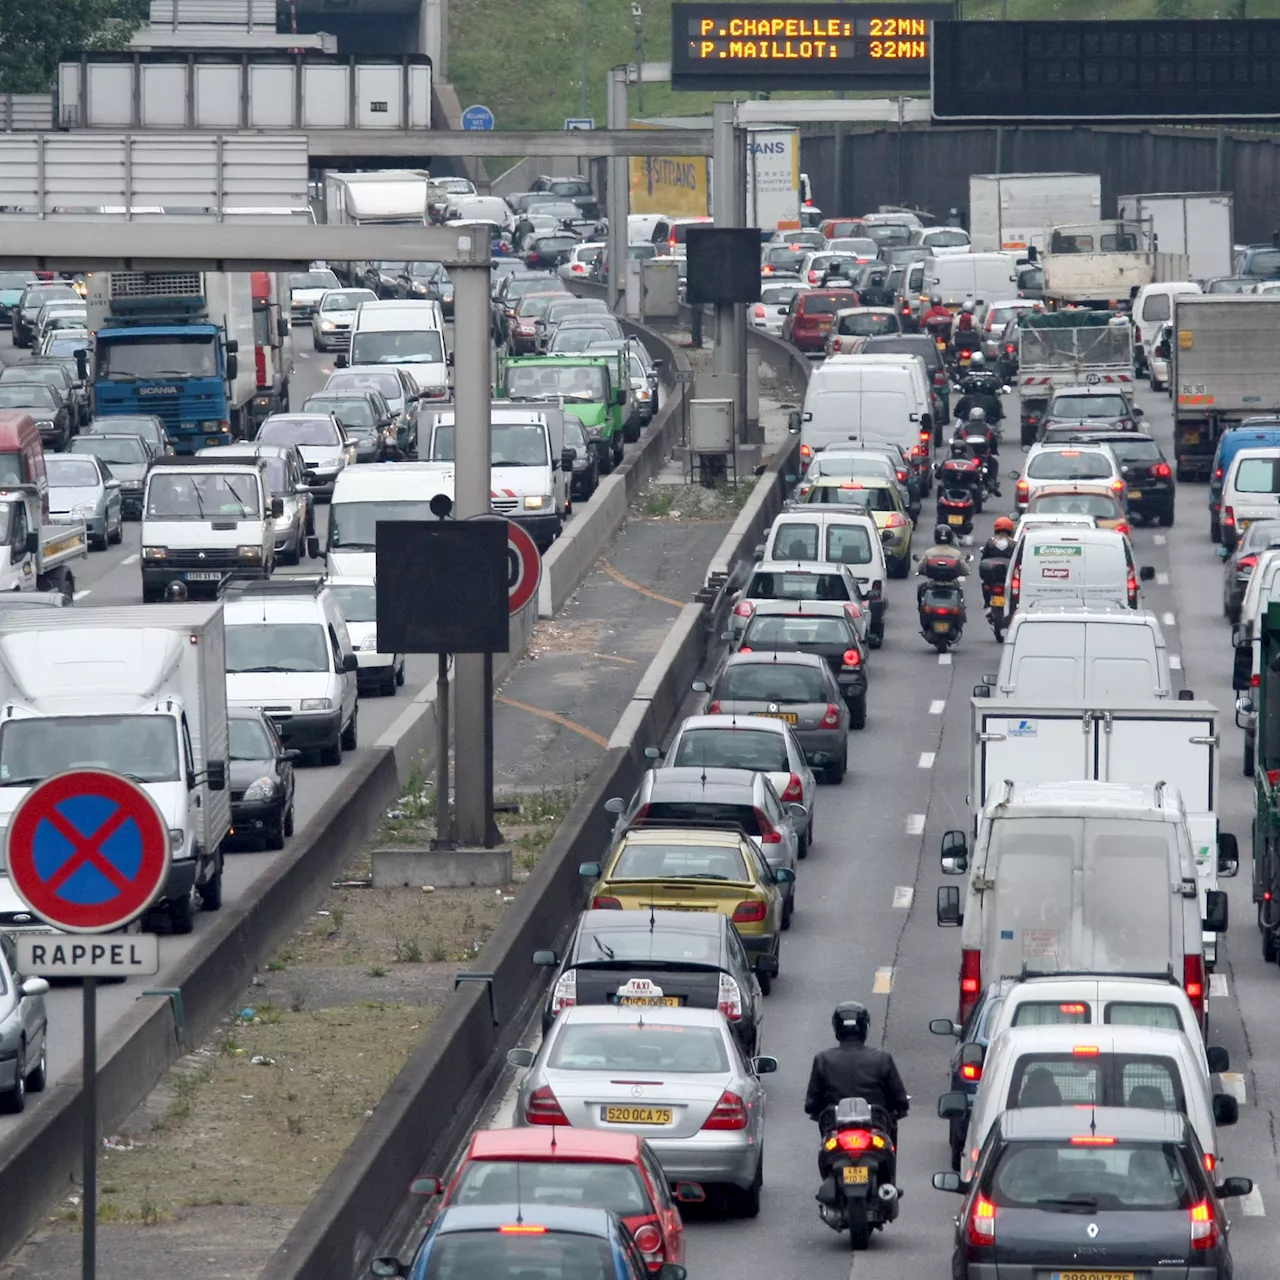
[88, 852]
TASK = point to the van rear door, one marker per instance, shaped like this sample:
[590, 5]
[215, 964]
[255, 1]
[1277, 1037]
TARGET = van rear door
[1121, 662]
[1048, 661]
[1128, 898]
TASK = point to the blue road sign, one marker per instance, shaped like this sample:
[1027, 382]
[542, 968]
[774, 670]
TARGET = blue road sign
[477, 117]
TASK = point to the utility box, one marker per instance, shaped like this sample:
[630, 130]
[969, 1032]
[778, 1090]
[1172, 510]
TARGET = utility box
[711, 426]
[753, 391]
[631, 292]
[660, 289]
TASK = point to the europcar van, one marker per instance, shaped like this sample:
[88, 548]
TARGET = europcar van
[1084, 566]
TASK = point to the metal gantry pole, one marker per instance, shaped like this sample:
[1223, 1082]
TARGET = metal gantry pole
[619, 192]
[729, 209]
[89, 1134]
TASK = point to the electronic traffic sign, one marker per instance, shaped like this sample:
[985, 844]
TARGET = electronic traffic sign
[1151, 69]
[802, 46]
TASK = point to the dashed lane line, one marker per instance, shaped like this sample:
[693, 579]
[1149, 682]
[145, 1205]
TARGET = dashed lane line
[927, 758]
[1251, 1205]
[1160, 539]
[902, 897]
[915, 824]
[883, 984]
[1168, 619]
[937, 707]
[1218, 986]
[1233, 1083]
[133, 559]
[1175, 662]
[944, 659]
[1162, 579]
[80, 595]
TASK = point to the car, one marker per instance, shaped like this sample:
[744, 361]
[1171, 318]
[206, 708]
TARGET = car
[885, 461]
[811, 240]
[760, 744]
[55, 374]
[381, 278]
[776, 294]
[430, 280]
[285, 468]
[1149, 482]
[47, 405]
[816, 266]
[825, 630]
[1097, 500]
[261, 780]
[697, 868]
[12, 283]
[334, 314]
[996, 317]
[1229, 284]
[512, 288]
[306, 289]
[576, 189]
[66, 374]
[33, 297]
[575, 1167]
[881, 497]
[82, 488]
[782, 259]
[966, 1064]
[862, 247]
[854, 325]
[702, 1105]
[56, 314]
[64, 343]
[366, 420]
[797, 580]
[1240, 561]
[799, 689]
[1159, 360]
[24, 1030]
[696, 795]
[149, 426]
[1100, 403]
[128, 456]
[560, 309]
[582, 257]
[1123, 1189]
[394, 382]
[1056, 464]
[696, 957]
[358, 600]
[581, 333]
[320, 440]
[810, 316]
[522, 321]
[547, 250]
[586, 458]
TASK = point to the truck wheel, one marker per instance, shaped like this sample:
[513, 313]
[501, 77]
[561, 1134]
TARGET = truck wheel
[351, 734]
[1029, 433]
[1215, 529]
[181, 915]
[211, 891]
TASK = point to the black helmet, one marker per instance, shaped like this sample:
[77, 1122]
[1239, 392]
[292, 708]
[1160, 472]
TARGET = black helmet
[850, 1021]
[175, 592]
[943, 533]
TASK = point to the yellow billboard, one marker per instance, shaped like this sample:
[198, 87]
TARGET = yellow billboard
[676, 185]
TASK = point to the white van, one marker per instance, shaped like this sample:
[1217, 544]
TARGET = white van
[1103, 653]
[472, 208]
[835, 537]
[1152, 308]
[1250, 492]
[1118, 1066]
[1084, 566]
[971, 277]
[404, 332]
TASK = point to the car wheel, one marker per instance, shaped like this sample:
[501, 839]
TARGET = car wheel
[400, 674]
[182, 915]
[288, 822]
[351, 734]
[857, 714]
[332, 754]
[1165, 516]
[900, 568]
[748, 1205]
[1215, 530]
[38, 1076]
[1269, 950]
[211, 891]
[788, 910]
[15, 1100]
[119, 530]
[766, 983]
[294, 556]
[802, 844]
[98, 544]
[275, 834]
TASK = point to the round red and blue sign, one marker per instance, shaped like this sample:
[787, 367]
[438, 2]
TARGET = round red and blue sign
[87, 851]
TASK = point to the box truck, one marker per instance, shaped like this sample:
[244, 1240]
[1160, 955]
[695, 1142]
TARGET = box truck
[1198, 224]
[1014, 211]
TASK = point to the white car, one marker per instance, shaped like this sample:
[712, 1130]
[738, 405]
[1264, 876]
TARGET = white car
[305, 290]
[582, 257]
[334, 314]
[1158, 364]
[816, 265]
[775, 302]
[996, 316]
[1051, 464]
[358, 599]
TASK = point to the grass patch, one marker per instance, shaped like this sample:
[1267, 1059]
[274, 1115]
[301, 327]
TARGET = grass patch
[695, 502]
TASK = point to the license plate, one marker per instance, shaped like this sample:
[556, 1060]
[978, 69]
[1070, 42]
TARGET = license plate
[789, 716]
[637, 1115]
[856, 1173]
[670, 1002]
[955, 519]
[1135, 493]
[1190, 437]
[998, 600]
[202, 575]
[212, 440]
[942, 626]
[1092, 1275]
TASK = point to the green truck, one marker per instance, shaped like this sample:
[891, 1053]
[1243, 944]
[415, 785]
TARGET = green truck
[1259, 708]
[593, 388]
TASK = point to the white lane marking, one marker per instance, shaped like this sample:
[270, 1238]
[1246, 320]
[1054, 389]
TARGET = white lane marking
[1162, 579]
[1251, 1205]
[1175, 662]
[902, 896]
[1233, 1083]
[306, 355]
[1160, 539]
[915, 824]
[938, 707]
[1218, 985]
[133, 559]
[80, 595]
[884, 981]
[927, 759]
[1168, 619]
[944, 659]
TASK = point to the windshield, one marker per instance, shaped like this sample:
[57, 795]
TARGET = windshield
[27, 395]
[52, 375]
[824, 304]
[1089, 407]
[313, 280]
[1069, 464]
[196, 495]
[550, 381]
[299, 431]
[945, 239]
[1135, 449]
[579, 1183]
[772, 631]
[128, 426]
[127, 358]
[771, 682]
[641, 1046]
[576, 339]
[249, 740]
[641, 860]
[1265, 262]
[778, 295]
[66, 472]
[66, 346]
[10, 280]
[1258, 475]
[397, 346]
[1074, 504]
[387, 383]
[353, 412]
[555, 1255]
[144, 748]
[358, 602]
[852, 494]
[347, 301]
[277, 646]
[354, 525]
[782, 257]
[845, 544]
[1111, 1175]
[122, 451]
[868, 324]
[891, 233]
[732, 749]
[851, 465]
[515, 444]
[772, 585]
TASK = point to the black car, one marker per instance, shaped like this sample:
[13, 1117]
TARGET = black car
[1150, 479]
[1100, 1191]
[51, 411]
[586, 458]
[695, 959]
[53, 374]
[261, 780]
[429, 281]
[1095, 403]
[365, 416]
[966, 1062]
[34, 296]
[77, 387]
[577, 189]
[382, 277]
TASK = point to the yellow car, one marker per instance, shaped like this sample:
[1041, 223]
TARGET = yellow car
[1101, 501]
[692, 869]
[882, 500]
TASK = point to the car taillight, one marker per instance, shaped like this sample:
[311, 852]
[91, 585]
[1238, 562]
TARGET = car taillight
[749, 913]
[1246, 562]
[730, 1000]
[832, 719]
[981, 1226]
[1117, 486]
[1161, 471]
[565, 995]
[813, 277]
[1228, 516]
[729, 1113]
[971, 1071]
[1217, 475]
[744, 608]
[1009, 348]
[746, 648]
[902, 476]
[603, 902]
[713, 708]
[1123, 528]
[896, 520]
[806, 455]
[759, 311]
[1255, 680]
[1193, 981]
[648, 1239]
[836, 345]
[940, 378]
[767, 833]
[970, 980]
[1132, 586]
[543, 1108]
[794, 792]
[1024, 490]
[1204, 1226]
[850, 658]
[1210, 1162]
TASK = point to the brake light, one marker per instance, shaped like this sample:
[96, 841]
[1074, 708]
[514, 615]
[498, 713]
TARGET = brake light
[970, 980]
[714, 708]
[1122, 527]
[744, 608]
[543, 1108]
[850, 658]
[1247, 562]
[1092, 1140]
[730, 1000]
[1024, 491]
[902, 476]
[836, 345]
[759, 314]
[915, 451]
[981, 1227]
[729, 1113]
[1161, 471]
[1228, 516]
[1117, 486]
[746, 648]
[896, 520]
[767, 833]
[795, 788]
[853, 1139]
[1132, 586]
[749, 913]
[1015, 586]
[565, 994]
[832, 719]
[1210, 1162]
[603, 902]
[1217, 475]
[971, 1071]
[521, 1229]
[806, 454]
[1085, 1050]
[1193, 981]
[925, 435]
[1009, 348]
[1204, 1226]
[1073, 1008]
[813, 276]
[648, 1238]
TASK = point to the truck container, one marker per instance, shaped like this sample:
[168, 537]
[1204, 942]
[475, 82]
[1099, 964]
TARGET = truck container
[1015, 211]
[1223, 369]
[168, 343]
[1098, 264]
[1262, 706]
[272, 343]
[773, 179]
[1197, 224]
[386, 197]
[132, 690]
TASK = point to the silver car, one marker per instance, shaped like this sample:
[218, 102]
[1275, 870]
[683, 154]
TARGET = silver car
[82, 488]
[23, 1029]
[675, 1076]
[334, 314]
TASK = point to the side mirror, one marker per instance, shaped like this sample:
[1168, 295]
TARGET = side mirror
[233, 365]
[990, 679]
[1147, 573]
[886, 536]
[954, 853]
[277, 508]
[350, 663]
[764, 1066]
[652, 753]
[1228, 856]
[700, 686]
[949, 913]
[35, 987]
[566, 459]
[545, 959]
[589, 870]
[429, 1185]
[232, 346]
[520, 1057]
[1137, 411]
[793, 422]
[449, 359]
[32, 544]
[289, 756]
[387, 1267]
[784, 875]
[1217, 1059]
[340, 360]
[615, 804]
[1215, 911]
[1226, 1110]
[981, 691]
[1015, 475]
[953, 1106]
[1221, 552]
[944, 1027]
[82, 365]
[947, 1182]
[1186, 695]
[766, 966]
[215, 773]
[1234, 1187]
[658, 364]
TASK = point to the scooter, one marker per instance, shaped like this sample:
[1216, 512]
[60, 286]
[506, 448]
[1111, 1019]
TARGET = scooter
[941, 602]
[993, 573]
[857, 1159]
[956, 506]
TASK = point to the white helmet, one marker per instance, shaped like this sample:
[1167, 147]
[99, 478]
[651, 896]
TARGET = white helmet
[977, 414]
[968, 306]
[977, 360]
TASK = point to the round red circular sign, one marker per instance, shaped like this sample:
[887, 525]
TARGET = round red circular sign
[524, 567]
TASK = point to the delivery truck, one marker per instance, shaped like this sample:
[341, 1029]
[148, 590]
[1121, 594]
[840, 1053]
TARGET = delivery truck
[1014, 211]
[131, 690]
[1197, 224]
[34, 555]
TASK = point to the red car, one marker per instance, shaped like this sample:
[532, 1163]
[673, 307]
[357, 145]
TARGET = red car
[812, 312]
[580, 1167]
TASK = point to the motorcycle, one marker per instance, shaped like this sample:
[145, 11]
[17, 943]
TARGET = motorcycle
[956, 507]
[965, 474]
[993, 573]
[941, 602]
[857, 1192]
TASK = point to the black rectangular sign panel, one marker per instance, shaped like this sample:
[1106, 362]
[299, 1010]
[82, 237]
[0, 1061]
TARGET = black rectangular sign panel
[1154, 69]
[802, 46]
[724, 264]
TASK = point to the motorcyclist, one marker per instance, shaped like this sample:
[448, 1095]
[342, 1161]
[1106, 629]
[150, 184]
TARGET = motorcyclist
[1000, 545]
[937, 320]
[977, 394]
[978, 432]
[965, 335]
[852, 1069]
[945, 546]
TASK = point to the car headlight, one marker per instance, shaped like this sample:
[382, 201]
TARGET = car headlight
[327, 325]
[643, 393]
[213, 424]
[249, 553]
[418, 287]
[579, 462]
[85, 509]
[155, 553]
[535, 502]
[447, 297]
[177, 838]
[370, 643]
[131, 484]
[260, 789]
[44, 424]
[316, 704]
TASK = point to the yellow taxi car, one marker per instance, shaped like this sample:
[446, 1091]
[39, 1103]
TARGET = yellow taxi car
[1079, 499]
[697, 869]
[882, 500]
